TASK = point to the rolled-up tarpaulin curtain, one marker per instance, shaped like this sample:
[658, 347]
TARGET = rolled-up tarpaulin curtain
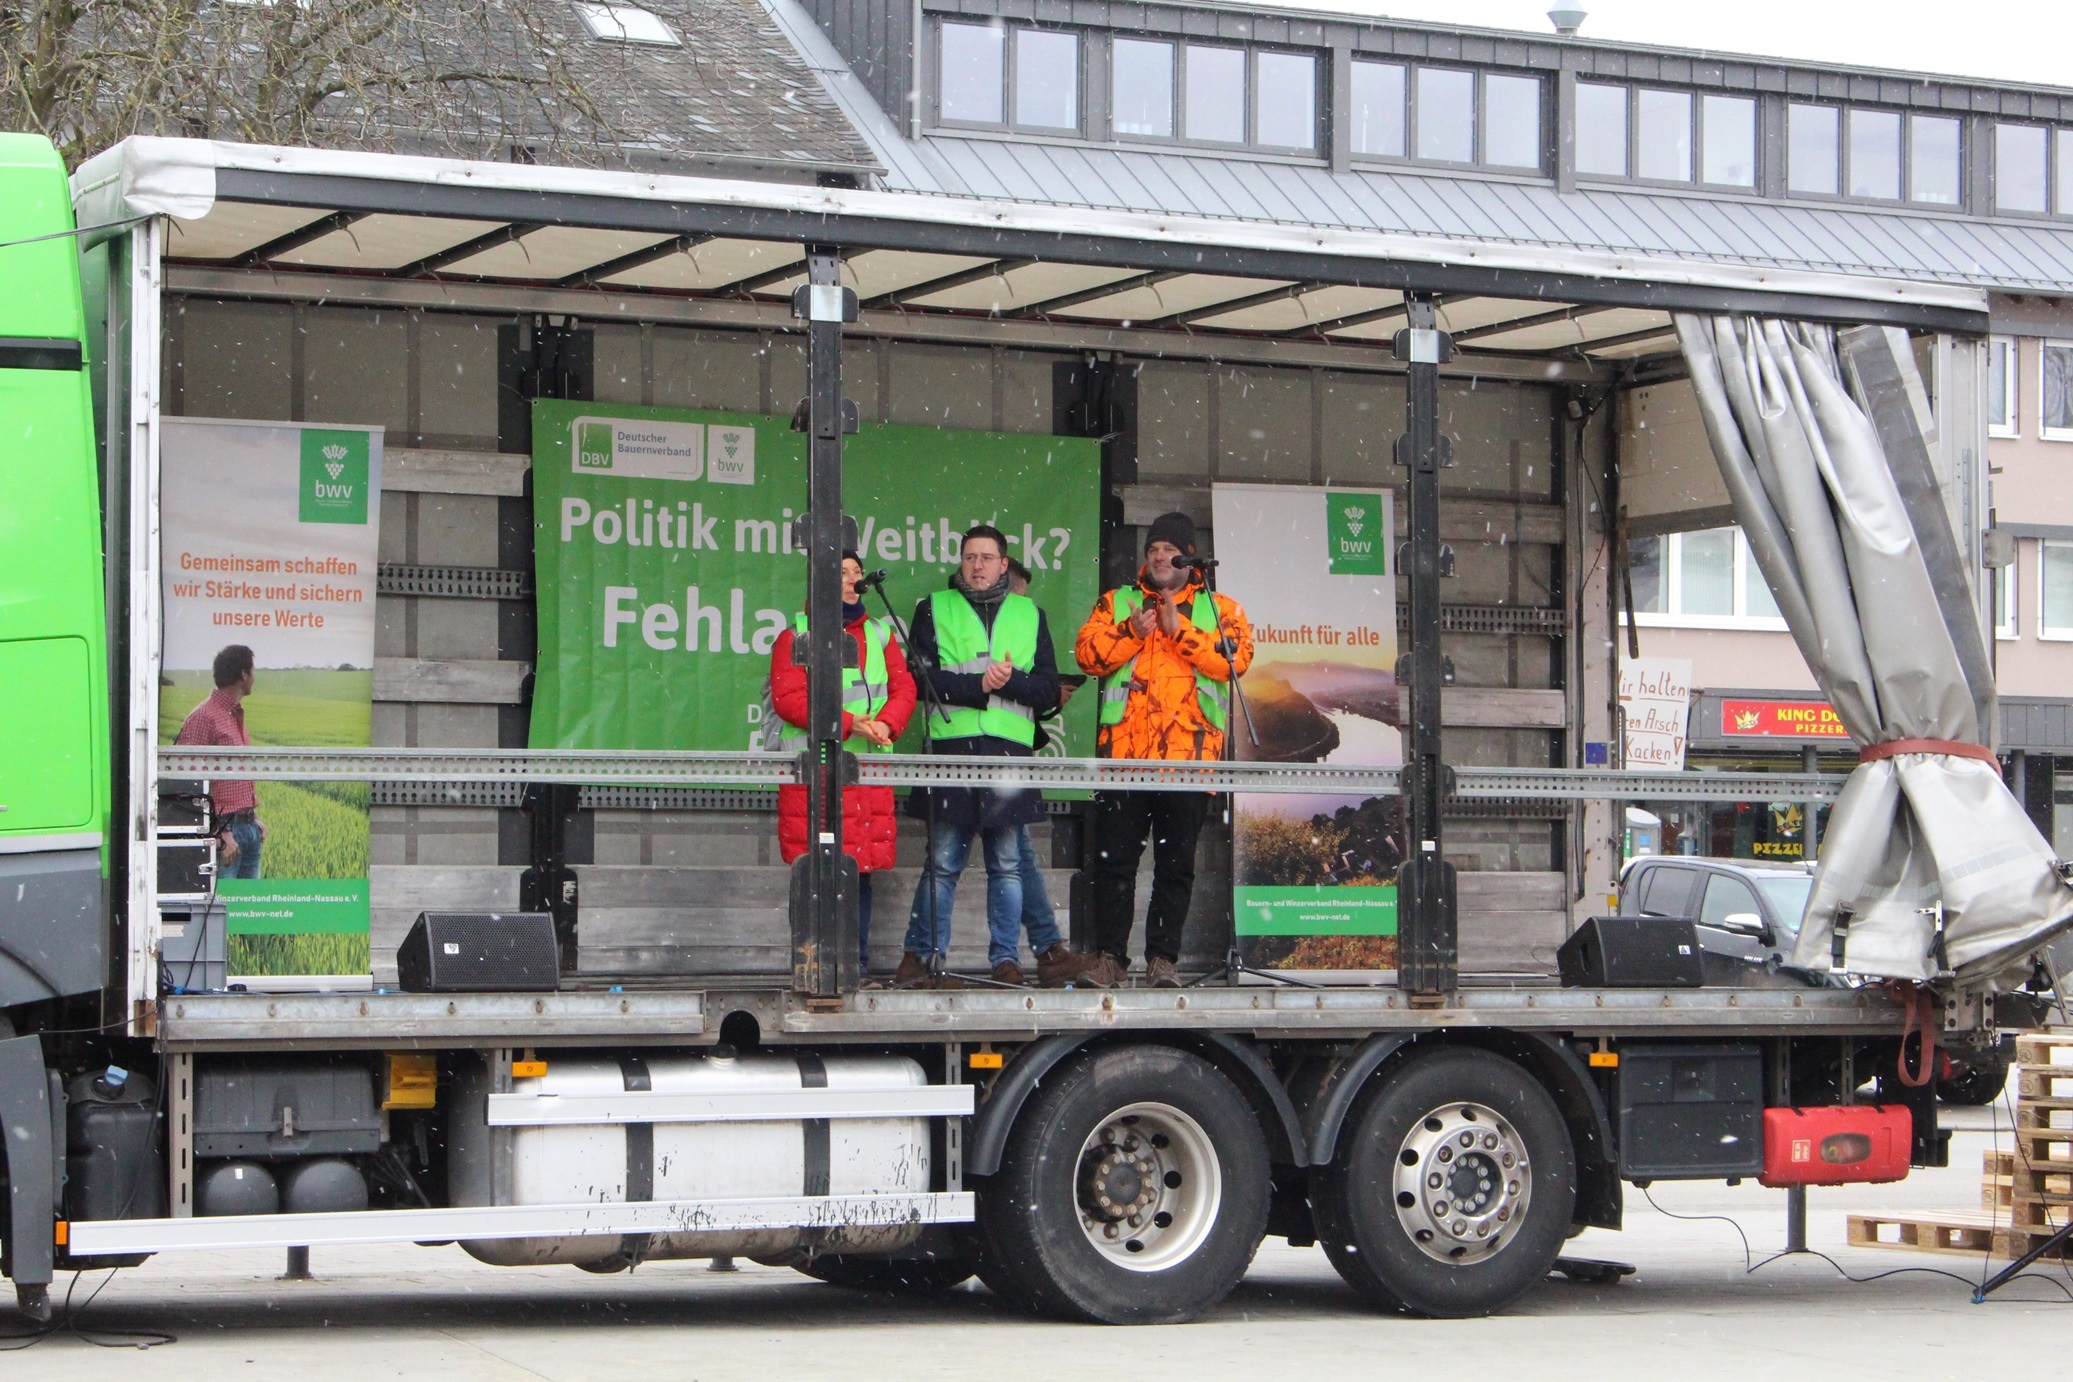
[1823, 441]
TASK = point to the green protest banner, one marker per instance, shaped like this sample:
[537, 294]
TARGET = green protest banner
[666, 568]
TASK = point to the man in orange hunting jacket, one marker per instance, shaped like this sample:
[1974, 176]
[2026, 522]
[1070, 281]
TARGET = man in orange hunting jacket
[1165, 650]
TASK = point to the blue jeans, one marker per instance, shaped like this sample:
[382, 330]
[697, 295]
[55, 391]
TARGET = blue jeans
[949, 848]
[1039, 917]
[246, 833]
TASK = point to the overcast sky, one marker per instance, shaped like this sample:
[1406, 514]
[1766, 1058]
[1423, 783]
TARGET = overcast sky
[2014, 40]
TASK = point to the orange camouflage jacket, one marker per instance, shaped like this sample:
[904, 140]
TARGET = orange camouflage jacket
[1163, 717]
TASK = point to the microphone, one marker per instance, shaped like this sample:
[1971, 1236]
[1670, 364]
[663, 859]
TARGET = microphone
[1200, 563]
[873, 581]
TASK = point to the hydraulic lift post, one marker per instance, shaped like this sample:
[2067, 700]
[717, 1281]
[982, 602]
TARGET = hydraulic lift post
[824, 879]
[1426, 931]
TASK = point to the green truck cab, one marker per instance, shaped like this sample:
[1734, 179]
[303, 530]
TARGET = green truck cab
[55, 779]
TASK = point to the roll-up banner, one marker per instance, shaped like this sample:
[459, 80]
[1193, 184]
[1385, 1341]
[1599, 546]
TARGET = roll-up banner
[667, 568]
[269, 540]
[1314, 877]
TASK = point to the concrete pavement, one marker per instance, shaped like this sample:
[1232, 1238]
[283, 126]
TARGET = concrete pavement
[1691, 1312]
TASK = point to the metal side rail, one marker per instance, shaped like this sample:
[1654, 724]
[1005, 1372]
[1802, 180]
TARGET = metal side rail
[96, 1236]
[684, 768]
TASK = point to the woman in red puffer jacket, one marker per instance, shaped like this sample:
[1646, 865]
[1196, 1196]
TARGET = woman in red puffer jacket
[874, 714]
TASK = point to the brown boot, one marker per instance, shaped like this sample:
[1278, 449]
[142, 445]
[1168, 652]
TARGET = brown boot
[1008, 972]
[1103, 972]
[1059, 966]
[1159, 973]
[913, 972]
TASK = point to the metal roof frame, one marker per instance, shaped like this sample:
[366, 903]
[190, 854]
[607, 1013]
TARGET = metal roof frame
[188, 178]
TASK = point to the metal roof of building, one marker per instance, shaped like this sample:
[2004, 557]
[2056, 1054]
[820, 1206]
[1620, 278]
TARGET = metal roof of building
[1858, 239]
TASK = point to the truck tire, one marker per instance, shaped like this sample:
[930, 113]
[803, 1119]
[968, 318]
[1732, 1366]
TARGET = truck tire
[1979, 1083]
[1133, 1190]
[903, 1275]
[1451, 1191]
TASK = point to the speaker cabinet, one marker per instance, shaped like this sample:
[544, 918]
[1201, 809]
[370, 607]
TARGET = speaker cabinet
[479, 952]
[1632, 953]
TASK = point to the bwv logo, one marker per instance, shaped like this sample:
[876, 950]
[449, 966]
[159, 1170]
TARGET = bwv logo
[1355, 520]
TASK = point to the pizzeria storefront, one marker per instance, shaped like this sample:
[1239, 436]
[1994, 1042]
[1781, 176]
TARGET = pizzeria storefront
[1754, 731]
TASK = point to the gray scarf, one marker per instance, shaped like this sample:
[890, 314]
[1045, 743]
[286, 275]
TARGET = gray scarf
[982, 600]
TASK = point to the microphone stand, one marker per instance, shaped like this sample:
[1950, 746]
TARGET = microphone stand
[1235, 968]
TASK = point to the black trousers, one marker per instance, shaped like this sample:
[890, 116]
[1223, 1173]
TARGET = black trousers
[1122, 821]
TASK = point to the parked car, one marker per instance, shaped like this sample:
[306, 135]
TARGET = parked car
[1747, 914]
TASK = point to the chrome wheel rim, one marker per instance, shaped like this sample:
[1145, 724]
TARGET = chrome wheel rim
[1462, 1184]
[1147, 1187]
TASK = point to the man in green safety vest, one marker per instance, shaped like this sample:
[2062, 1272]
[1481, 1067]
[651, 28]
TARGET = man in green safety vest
[986, 656]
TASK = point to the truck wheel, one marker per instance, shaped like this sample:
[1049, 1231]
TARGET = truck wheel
[1134, 1190]
[905, 1275]
[1980, 1083]
[1451, 1191]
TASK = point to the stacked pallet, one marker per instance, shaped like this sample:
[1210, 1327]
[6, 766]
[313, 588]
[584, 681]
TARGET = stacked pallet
[2025, 1194]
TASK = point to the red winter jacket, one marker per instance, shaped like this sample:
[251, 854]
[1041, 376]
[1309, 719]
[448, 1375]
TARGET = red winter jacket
[868, 820]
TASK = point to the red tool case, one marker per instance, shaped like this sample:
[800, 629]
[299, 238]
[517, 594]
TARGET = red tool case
[1836, 1145]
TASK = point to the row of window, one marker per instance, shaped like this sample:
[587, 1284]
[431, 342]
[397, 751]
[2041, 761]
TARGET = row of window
[2054, 594]
[1709, 580]
[2054, 389]
[1026, 78]
[1705, 579]
[1022, 78]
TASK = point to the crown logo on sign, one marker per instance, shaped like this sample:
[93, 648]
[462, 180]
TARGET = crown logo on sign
[1746, 720]
[334, 452]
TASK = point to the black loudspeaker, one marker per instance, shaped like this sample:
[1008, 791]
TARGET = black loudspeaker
[1632, 953]
[479, 952]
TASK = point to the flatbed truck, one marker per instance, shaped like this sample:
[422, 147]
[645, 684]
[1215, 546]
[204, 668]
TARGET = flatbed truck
[1106, 1155]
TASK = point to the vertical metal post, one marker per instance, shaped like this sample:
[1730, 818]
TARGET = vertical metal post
[1795, 1218]
[1810, 833]
[1426, 936]
[824, 880]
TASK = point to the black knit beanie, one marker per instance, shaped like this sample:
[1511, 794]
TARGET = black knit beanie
[1176, 528]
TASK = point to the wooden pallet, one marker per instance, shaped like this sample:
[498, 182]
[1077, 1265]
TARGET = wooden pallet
[2044, 1049]
[2033, 1083]
[1969, 1233]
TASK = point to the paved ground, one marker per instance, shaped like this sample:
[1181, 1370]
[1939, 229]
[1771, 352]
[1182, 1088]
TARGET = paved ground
[1692, 1312]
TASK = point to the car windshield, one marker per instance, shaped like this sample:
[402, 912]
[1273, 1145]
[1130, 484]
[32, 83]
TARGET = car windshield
[1787, 894]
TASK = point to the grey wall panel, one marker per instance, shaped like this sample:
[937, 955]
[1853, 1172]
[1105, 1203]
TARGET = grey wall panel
[1025, 391]
[454, 530]
[452, 726]
[1173, 424]
[237, 360]
[356, 368]
[618, 362]
[453, 629]
[939, 386]
[457, 381]
[1500, 434]
[1265, 430]
[395, 527]
[784, 365]
[1360, 417]
[707, 369]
